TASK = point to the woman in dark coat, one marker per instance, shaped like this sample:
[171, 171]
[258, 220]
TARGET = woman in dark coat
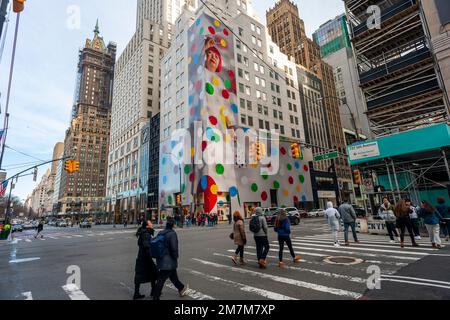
[145, 270]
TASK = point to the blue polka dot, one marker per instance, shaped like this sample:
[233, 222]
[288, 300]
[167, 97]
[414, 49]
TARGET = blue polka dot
[297, 165]
[273, 151]
[197, 23]
[204, 183]
[234, 108]
[164, 180]
[196, 58]
[173, 144]
[191, 99]
[304, 198]
[233, 192]
[220, 203]
[164, 160]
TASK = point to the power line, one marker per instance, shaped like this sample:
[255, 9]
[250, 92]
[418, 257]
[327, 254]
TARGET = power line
[23, 153]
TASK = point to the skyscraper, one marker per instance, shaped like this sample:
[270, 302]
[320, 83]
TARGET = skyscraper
[288, 32]
[87, 139]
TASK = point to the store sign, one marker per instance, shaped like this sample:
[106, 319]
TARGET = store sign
[363, 151]
[326, 194]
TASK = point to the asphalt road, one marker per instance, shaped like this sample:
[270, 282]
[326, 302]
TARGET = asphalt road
[38, 268]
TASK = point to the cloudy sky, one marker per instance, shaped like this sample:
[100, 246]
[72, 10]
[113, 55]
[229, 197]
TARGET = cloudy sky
[46, 60]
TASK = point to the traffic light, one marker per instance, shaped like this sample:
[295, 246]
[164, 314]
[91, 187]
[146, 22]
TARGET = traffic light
[357, 177]
[258, 151]
[35, 173]
[179, 199]
[18, 5]
[75, 166]
[295, 151]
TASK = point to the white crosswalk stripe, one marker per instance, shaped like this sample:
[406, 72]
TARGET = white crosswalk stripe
[74, 292]
[196, 295]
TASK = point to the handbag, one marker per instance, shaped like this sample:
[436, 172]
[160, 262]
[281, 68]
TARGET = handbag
[232, 236]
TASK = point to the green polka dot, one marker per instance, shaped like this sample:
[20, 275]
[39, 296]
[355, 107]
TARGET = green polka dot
[187, 169]
[289, 167]
[265, 176]
[220, 169]
[183, 188]
[301, 178]
[227, 84]
[254, 187]
[209, 88]
[276, 185]
[170, 200]
[202, 30]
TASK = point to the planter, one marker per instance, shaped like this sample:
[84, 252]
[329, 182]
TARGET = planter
[4, 234]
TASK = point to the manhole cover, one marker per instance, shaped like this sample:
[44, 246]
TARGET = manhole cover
[346, 261]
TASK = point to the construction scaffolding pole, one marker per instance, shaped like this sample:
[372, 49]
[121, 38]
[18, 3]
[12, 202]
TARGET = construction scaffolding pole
[390, 180]
[396, 179]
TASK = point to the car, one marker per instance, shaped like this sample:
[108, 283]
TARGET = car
[17, 228]
[293, 215]
[316, 213]
[28, 226]
[303, 214]
[85, 224]
[61, 224]
[52, 223]
[360, 212]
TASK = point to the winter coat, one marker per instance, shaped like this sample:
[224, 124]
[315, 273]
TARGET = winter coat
[333, 217]
[285, 228]
[240, 238]
[145, 269]
[383, 212]
[170, 259]
[444, 210]
[40, 227]
[347, 213]
[413, 213]
[430, 218]
[263, 222]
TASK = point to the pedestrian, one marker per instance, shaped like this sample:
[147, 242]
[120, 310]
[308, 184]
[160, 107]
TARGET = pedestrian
[216, 219]
[333, 218]
[283, 229]
[40, 228]
[414, 219]
[348, 215]
[258, 225]
[125, 223]
[168, 264]
[145, 269]
[239, 237]
[199, 220]
[177, 219]
[431, 217]
[229, 218]
[402, 212]
[444, 210]
[386, 212]
[204, 220]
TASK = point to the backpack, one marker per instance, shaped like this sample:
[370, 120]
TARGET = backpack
[255, 224]
[158, 246]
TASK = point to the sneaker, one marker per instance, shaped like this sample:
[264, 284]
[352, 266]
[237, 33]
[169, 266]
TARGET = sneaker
[439, 246]
[402, 244]
[184, 291]
[337, 244]
[347, 244]
[234, 259]
[418, 238]
[297, 259]
[262, 264]
[281, 264]
[357, 241]
[391, 241]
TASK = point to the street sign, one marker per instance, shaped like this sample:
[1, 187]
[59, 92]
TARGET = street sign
[327, 156]
[363, 151]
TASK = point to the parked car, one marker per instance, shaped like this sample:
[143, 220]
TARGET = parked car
[85, 224]
[317, 213]
[61, 224]
[28, 226]
[360, 212]
[52, 223]
[303, 214]
[293, 215]
[17, 228]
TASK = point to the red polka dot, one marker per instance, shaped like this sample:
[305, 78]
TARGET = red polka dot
[295, 199]
[283, 151]
[225, 94]
[264, 196]
[213, 120]
[225, 32]
[192, 177]
[198, 85]
[231, 73]
[194, 47]
[306, 168]
[211, 30]
[204, 145]
[291, 180]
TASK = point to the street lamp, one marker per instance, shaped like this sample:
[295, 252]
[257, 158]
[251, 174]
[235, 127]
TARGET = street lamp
[179, 171]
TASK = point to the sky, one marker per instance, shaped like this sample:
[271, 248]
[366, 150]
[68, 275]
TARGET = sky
[50, 35]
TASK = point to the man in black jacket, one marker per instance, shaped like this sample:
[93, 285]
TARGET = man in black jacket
[168, 264]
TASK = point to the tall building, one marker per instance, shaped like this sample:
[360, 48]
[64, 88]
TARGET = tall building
[87, 139]
[52, 188]
[402, 62]
[136, 100]
[288, 32]
[336, 49]
[251, 90]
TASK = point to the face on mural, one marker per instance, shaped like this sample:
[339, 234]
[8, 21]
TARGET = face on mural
[209, 42]
[213, 60]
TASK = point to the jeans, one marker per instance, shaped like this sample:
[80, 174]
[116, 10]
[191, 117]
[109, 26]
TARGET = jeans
[163, 275]
[240, 251]
[433, 231]
[446, 227]
[391, 230]
[262, 247]
[405, 223]
[415, 227]
[281, 242]
[353, 226]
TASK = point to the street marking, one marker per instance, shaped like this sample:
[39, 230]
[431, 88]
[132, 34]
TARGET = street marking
[24, 260]
[353, 252]
[28, 240]
[78, 236]
[366, 240]
[364, 244]
[196, 295]
[53, 238]
[416, 283]
[263, 293]
[110, 239]
[416, 279]
[74, 292]
[303, 284]
[357, 247]
[28, 296]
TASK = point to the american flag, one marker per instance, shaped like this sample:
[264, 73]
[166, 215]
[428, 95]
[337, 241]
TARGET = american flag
[3, 188]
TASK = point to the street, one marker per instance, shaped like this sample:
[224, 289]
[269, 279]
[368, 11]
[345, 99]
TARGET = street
[36, 268]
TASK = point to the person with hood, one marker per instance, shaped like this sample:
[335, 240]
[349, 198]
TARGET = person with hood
[402, 212]
[431, 217]
[283, 229]
[145, 269]
[333, 217]
[348, 215]
[168, 264]
[386, 212]
[239, 237]
[260, 230]
[40, 228]
[444, 210]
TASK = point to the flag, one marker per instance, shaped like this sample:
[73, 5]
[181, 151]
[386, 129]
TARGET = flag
[3, 188]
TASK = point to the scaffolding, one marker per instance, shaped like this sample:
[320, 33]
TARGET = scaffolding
[398, 73]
